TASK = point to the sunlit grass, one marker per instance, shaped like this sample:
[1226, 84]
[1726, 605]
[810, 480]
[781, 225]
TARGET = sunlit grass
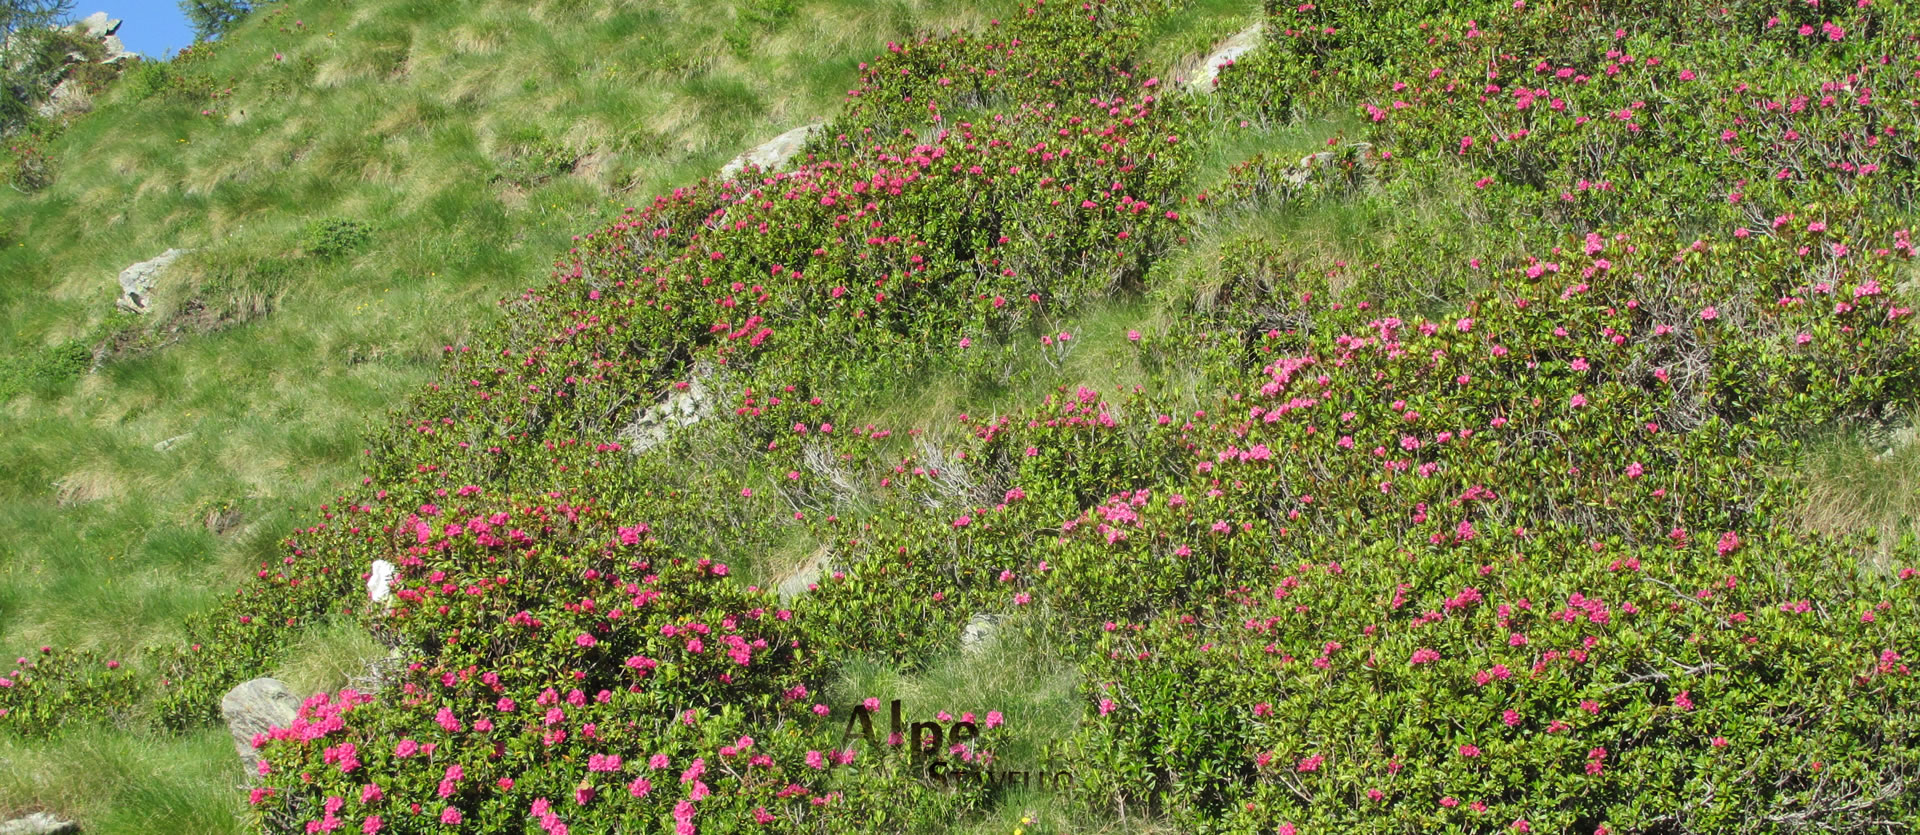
[329, 658]
[372, 112]
[127, 782]
[1181, 41]
[1864, 483]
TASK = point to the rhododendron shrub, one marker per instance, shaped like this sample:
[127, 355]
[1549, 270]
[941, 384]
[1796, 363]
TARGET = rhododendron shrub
[1709, 115]
[1405, 678]
[46, 689]
[1431, 528]
[562, 594]
[559, 658]
[570, 762]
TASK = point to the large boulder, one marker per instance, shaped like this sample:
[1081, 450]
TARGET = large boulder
[137, 282]
[96, 25]
[38, 823]
[252, 709]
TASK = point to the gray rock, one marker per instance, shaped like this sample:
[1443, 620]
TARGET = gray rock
[378, 583]
[796, 582]
[681, 408]
[38, 823]
[116, 50]
[980, 632]
[96, 25]
[1898, 440]
[381, 672]
[137, 282]
[773, 153]
[1227, 52]
[170, 443]
[253, 708]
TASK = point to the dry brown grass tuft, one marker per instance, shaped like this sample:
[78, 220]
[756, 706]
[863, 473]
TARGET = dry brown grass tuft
[87, 484]
[1865, 483]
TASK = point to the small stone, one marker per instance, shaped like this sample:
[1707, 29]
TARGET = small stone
[1898, 440]
[379, 582]
[807, 573]
[980, 632]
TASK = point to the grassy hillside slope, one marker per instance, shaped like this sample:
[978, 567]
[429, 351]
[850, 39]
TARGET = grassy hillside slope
[471, 139]
[1465, 419]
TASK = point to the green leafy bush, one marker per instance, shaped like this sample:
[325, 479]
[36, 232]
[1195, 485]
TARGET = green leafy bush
[62, 687]
[46, 370]
[147, 79]
[26, 166]
[330, 238]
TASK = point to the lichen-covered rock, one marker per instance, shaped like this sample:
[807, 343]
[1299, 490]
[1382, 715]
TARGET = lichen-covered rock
[137, 282]
[116, 50]
[684, 407]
